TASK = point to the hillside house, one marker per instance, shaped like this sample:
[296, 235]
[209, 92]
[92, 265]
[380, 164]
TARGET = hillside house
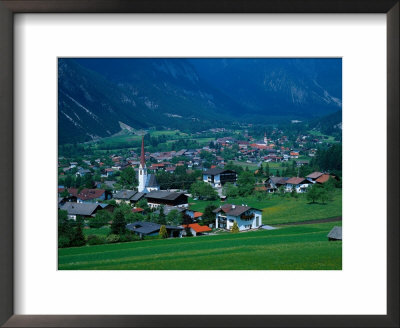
[273, 183]
[90, 195]
[165, 197]
[335, 234]
[218, 177]
[128, 196]
[87, 210]
[153, 229]
[312, 177]
[300, 185]
[196, 229]
[246, 217]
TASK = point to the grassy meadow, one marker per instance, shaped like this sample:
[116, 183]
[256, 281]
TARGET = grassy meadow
[304, 247]
[278, 210]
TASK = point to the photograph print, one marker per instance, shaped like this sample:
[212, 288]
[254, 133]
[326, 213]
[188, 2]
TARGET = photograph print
[199, 164]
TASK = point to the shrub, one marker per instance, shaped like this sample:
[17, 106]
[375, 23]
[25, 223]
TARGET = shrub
[95, 240]
[163, 232]
[113, 238]
[63, 241]
[235, 228]
[128, 237]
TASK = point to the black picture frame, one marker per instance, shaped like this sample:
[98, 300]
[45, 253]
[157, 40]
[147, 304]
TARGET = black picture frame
[10, 7]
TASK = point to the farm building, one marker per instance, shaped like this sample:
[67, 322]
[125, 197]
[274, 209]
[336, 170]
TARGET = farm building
[86, 210]
[274, 183]
[196, 229]
[218, 177]
[152, 229]
[335, 233]
[90, 195]
[300, 185]
[246, 217]
[128, 196]
[164, 197]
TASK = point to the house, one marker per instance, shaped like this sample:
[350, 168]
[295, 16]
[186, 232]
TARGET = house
[153, 229]
[86, 210]
[128, 196]
[196, 229]
[302, 162]
[194, 214]
[273, 183]
[313, 176]
[335, 234]
[82, 172]
[167, 209]
[246, 217]
[165, 197]
[299, 184]
[218, 177]
[89, 195]
[325, 177]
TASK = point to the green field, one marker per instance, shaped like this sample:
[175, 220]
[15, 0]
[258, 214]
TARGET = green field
[277, 209]
[304, 247]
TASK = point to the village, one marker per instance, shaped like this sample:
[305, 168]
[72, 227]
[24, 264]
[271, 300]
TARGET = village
[189, 192]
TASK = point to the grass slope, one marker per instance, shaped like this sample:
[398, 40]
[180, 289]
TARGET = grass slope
[289, 248]
[277, 209]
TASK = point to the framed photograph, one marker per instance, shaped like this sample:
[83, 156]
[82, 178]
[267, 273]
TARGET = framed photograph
[216, 152]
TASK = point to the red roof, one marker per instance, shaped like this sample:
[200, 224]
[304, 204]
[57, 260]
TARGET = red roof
[137, 209]
[86, 193]
[197, 214]
[295, 181]
[323, 178]
[198, 228]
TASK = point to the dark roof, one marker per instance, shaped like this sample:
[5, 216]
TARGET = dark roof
[168, 209]
[125, 194]
[148, 227]
[137, 196]
[80, 208]
[279, 180]
[335, 233]
[164, 194]
[234, 210]
[216, 171]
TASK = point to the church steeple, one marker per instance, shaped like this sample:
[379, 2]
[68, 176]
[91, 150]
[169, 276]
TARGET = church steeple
[142, 170]
[265, 138]
[142, 156]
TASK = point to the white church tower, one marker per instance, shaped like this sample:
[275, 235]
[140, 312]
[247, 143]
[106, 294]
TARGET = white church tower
[265, 138]
[142, 177]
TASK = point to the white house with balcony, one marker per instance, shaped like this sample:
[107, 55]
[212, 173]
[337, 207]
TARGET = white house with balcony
[246, 217]
[300, 185]
[218, 177]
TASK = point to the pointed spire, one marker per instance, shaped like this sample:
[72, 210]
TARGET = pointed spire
[142, 157]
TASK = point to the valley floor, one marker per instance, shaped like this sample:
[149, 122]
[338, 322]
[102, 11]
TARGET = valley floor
[304, 247]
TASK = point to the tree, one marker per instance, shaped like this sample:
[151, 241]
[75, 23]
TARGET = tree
[128, 177]
[163, 232]
[261, 170]
[235, 228]
[161, 216]
[313, 193]
[174, 218]
[101, 219]
[78, 238]
[245, 183]
[230, 190]
[209, 215]
[267, 170]
[203, 190]
[118, 226]
[65, 230]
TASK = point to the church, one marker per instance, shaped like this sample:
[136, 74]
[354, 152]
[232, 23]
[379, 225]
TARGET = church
[147, 182]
